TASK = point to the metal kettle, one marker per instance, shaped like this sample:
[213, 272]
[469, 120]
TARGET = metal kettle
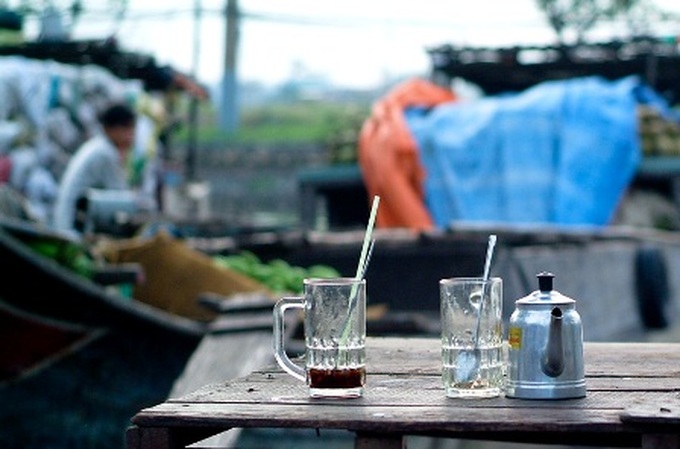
[545, 346]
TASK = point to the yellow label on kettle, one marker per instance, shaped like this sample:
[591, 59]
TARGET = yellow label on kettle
[515, 337]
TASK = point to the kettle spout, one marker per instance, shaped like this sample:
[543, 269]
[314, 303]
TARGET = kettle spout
[552, 362]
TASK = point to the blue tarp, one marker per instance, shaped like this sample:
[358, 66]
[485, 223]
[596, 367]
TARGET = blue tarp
[561, 153]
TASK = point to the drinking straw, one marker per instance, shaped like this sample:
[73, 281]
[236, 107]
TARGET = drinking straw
[363, 262]
[367, 239]
[366, 249]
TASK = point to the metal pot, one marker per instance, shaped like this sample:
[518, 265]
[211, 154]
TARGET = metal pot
[545, 339]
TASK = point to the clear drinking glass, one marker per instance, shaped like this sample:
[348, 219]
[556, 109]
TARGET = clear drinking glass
[335, 336]
[472, 350]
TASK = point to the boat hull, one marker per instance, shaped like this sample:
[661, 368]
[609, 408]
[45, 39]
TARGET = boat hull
[83, 394]
[111, 355]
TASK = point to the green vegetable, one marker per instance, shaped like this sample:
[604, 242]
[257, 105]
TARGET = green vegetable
[277, 275]
[67, 254]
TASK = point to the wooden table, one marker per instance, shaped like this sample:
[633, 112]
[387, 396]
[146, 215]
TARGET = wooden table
[633, 399]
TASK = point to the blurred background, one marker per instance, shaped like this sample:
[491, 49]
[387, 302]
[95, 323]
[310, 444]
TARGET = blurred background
[290, 84]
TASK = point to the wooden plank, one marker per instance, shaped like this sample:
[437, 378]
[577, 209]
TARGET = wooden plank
[388, 390]
[239, 302]
[608, 359]
[222, 357]
[399, 395]
[653, 413]
[613, 360]
[243, 322]
[632, 359]
[446, 420]
[439, 408]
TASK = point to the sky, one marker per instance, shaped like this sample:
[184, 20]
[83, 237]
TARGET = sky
[350, 43]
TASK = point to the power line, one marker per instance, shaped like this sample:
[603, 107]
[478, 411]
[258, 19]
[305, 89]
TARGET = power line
[360, 22]
[104, 15]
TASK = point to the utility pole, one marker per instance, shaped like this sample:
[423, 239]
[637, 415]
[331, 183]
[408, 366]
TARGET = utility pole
[228, 111]
[190, 163]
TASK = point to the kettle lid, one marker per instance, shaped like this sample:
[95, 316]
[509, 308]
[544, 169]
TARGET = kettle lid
[545, 293]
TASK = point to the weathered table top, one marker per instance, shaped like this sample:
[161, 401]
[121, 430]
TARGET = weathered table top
[633, 399]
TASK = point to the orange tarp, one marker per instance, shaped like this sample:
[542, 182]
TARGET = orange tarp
[388, 155]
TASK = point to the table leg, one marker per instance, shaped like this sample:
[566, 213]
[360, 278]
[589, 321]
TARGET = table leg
[379, 441]
[143, 438]
[661, 441]
[164, 438]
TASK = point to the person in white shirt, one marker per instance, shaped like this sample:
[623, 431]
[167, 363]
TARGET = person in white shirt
[100, 163]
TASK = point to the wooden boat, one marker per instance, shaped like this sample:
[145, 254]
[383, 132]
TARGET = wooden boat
[78, 359]
[71, 297]
[83, 393]
[628, 275]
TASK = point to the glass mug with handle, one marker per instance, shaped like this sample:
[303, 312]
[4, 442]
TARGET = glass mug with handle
[335, 336]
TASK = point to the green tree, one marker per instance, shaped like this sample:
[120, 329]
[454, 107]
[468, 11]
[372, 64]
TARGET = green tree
[72, 9]
[580, 16]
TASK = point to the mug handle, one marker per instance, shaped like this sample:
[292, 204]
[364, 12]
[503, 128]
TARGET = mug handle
[283, 304]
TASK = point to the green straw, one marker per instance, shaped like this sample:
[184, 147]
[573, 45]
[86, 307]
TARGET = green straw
[367, 238]
[361, 268]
